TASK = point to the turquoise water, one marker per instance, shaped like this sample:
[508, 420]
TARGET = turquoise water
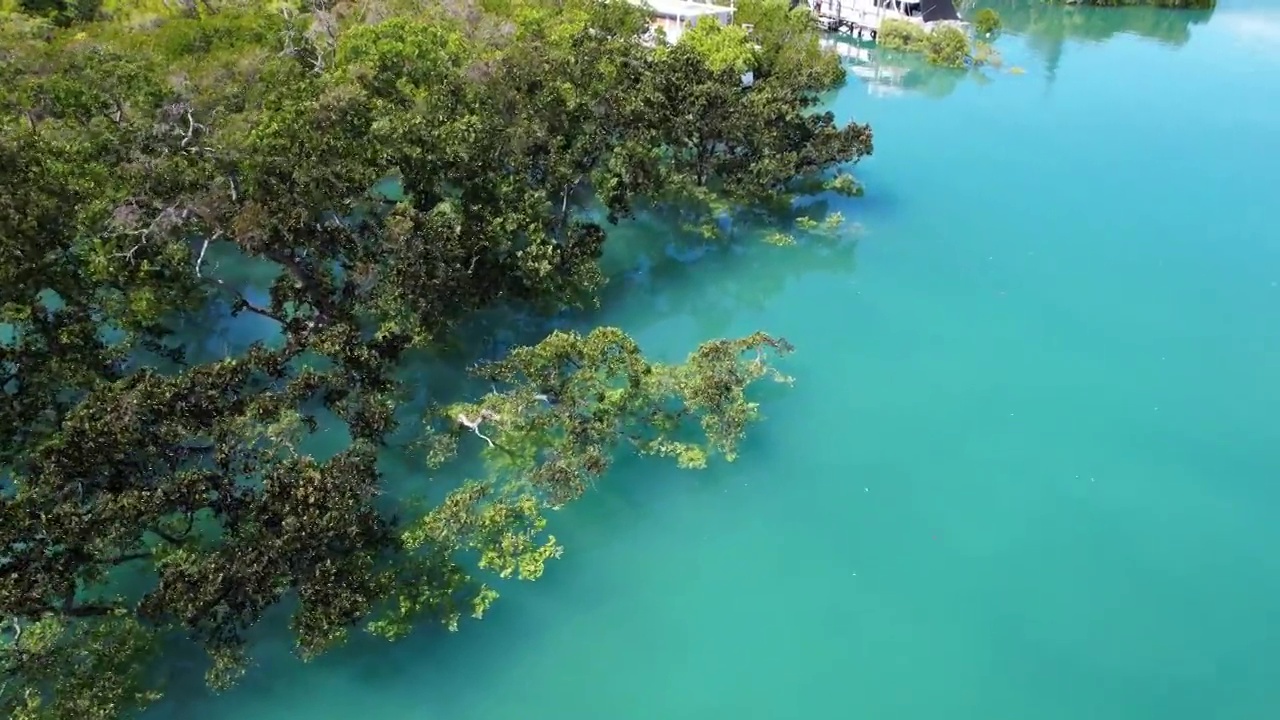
[1028, 469]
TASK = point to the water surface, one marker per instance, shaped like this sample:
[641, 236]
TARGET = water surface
[1028, 469]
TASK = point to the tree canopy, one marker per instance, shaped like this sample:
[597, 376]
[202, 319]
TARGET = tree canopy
[398, 165]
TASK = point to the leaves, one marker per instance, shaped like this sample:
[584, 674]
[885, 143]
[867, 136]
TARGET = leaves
[391, 173]
[97, 667]
[790, 53]
[570, 401]
[945, 46]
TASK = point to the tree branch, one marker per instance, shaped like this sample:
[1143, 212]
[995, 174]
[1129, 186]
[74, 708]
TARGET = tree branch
[130, 557]
[70, 609]
[204, 247]
[171, 539]
[475, 424]
[323, 303]
[242, 302]
[91, 610]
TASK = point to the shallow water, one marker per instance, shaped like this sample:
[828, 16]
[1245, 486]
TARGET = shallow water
[1028, 468]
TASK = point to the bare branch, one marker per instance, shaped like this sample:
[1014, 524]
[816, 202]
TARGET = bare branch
[126, 219]
[475, 424]
[191, 129]
[204, 247]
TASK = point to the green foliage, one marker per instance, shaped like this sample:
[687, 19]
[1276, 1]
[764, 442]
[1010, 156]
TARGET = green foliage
[727, 149]
[722, 46]
[789, 45]
[945, 46]
[986, 21]
[571, 400]
[96, 665]
[61, 12]
[948, 46]
[151, 493]
[897, 34]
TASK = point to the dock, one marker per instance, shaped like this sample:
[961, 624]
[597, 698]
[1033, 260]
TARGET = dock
[674, 17]
[862, 18]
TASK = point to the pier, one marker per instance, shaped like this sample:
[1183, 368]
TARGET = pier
[862, 18]
[674, 17]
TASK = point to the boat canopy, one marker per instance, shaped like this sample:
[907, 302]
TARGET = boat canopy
[935, 10]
